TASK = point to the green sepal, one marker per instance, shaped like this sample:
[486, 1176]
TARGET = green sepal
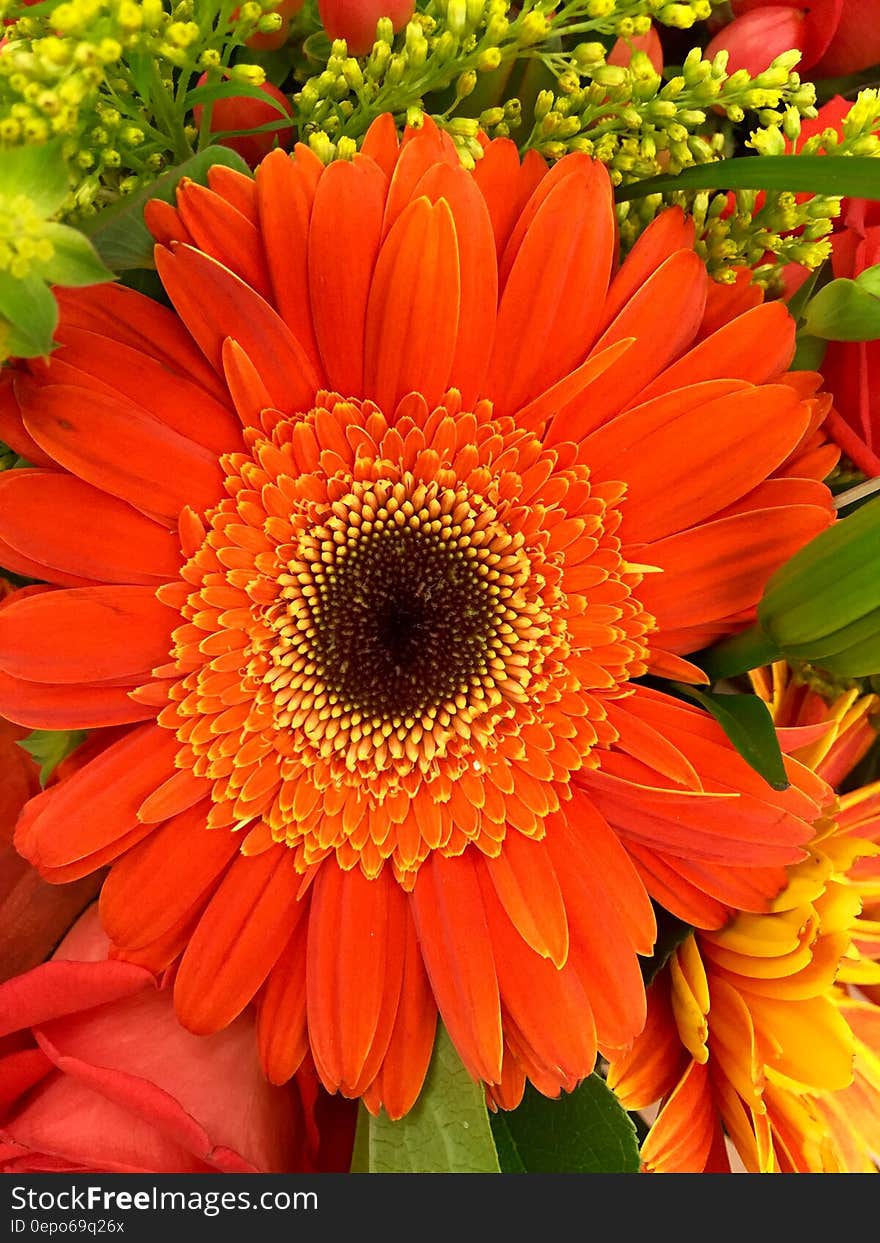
[446, 1132]
[48, 747]
[586, 1131]
[749, 726]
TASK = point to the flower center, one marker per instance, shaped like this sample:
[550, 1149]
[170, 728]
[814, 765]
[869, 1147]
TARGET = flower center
[395, 601]
[396, 635]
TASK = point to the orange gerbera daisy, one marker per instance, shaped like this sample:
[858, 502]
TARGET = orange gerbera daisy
[358, 550]
[752, 1031]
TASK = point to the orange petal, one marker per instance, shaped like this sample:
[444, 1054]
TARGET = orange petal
[553, 295]
[757, 347]
[285, 192]
[344, 236]
[721, 567]
[351, 964]
[84, 633]
[41, 705]
[97, 806]
[528, 889]
[413, 310]
[121, 450]
[454, 937]
[238, 940]
[101, 537]
[137, 905]
[700, 458]
[214, 304]
[670, 231]
[221, 231]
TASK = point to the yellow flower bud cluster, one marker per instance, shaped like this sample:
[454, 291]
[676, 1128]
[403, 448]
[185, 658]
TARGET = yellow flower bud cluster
[106, 76]
[452, 57]
[639, 125]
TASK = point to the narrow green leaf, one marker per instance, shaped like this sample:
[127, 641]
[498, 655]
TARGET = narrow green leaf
[856, 176]
[75, 261]
[50, 746]
[208, 94]
[746, 721]
[32, 313]
[39, 172]
[583, 1132]
[446, 1132]
[843, 310]
[119, 234]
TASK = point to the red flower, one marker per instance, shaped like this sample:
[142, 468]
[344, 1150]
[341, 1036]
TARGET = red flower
[851, 368]
[244, 112]
[97, 1074]
[834, 36]
[355, 20]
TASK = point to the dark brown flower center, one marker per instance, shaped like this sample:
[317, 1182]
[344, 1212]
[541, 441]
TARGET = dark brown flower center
[403, 620]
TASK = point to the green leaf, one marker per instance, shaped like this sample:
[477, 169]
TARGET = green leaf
[75, 261]
[446, 1132]
[748, 724]
[857, 176]
[583, 1132]
[39, 172]
[32, 313]
[843, 310]
[50, 746]
[829, 583]
[870, 280]
[119, 234]
[809, 353]
[208, 94]
[748, 650]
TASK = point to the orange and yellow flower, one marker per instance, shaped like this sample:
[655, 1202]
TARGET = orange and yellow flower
[356, 553]
[758, 1031]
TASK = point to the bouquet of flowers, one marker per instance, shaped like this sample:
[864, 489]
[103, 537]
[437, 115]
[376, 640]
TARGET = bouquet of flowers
[440, 625]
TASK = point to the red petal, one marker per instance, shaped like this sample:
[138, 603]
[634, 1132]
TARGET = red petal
[72, 526]
[121, 450]
[238, 940]
[84, 633]
[454, 937]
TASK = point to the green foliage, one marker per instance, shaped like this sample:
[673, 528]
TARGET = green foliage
[747, 723]
[446, 1132]
[34, 251]
[586, 1131]
[846, 310]
[48, 747]
[119, 234]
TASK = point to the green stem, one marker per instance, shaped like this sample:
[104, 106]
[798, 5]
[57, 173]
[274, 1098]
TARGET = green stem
[736, 655]
[166, 114]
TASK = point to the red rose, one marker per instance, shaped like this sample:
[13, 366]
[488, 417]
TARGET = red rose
[355, 20]
[245, 112]
[835, 37]
[96, 1074]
